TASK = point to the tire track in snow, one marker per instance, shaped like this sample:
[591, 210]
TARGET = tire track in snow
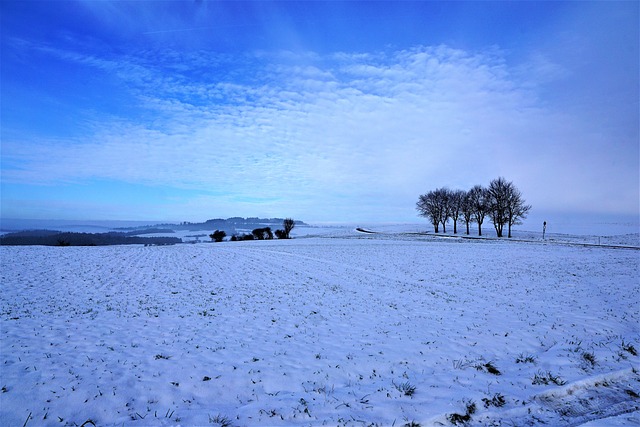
[592, 399]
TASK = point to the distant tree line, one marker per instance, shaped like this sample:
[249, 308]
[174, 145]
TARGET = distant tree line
[57, 238]
[263, 233]
[501, 202]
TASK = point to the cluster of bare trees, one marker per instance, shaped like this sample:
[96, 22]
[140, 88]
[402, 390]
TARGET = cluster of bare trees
[501, 202]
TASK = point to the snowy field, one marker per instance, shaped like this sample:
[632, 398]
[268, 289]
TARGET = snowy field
[358, 330]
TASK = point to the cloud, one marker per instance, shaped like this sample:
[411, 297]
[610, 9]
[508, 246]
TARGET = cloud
[340, 136]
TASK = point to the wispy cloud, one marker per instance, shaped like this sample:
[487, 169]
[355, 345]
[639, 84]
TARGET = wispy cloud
[316, 131]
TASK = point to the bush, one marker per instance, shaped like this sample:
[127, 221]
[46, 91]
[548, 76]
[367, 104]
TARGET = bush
[262, 233]
[241, 237]
[218, 236]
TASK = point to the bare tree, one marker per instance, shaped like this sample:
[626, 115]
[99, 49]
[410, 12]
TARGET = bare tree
[444, 198]
[501, 201]
[466, 210]
[479, 206]
[498, 200]
[435, 206]
[429, 207]
[507, 207]
[288, 225]
[456, 203]
[516, 207]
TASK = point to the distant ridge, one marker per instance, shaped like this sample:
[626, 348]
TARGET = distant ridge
[228, 225]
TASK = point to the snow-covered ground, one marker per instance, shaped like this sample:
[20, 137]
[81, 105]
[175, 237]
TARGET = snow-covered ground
[340, 329]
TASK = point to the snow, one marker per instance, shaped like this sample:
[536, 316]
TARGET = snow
[344, 328]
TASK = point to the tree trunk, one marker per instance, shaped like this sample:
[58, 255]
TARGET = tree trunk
[467, 228]
[509, 230]
[455, 227]
[479, 229]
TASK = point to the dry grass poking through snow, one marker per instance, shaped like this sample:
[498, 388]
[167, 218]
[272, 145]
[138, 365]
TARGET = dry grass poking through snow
[319, 332]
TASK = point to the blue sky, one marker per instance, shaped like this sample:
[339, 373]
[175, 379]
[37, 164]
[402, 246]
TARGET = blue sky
[323, 111]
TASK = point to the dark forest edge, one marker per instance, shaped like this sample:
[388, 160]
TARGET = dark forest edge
[56, 238]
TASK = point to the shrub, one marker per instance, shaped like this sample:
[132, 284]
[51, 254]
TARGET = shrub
[262, 233]
[241, 237]
[218, 235]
